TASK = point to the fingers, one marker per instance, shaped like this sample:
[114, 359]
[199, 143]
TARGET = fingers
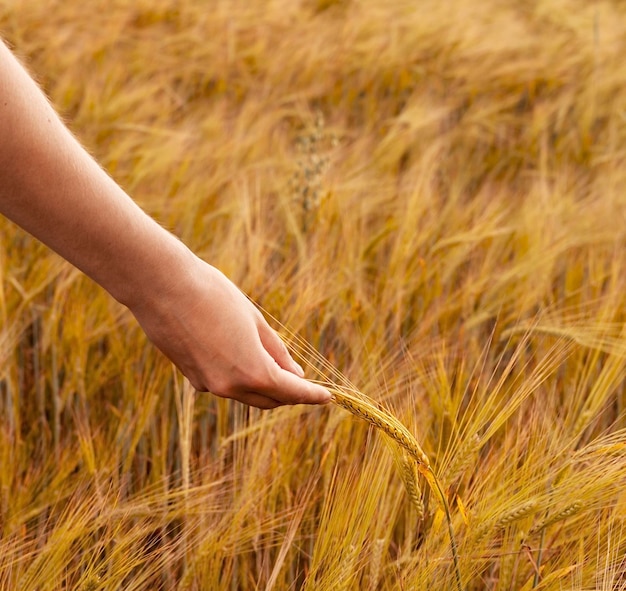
[277, 349]
[288, 384]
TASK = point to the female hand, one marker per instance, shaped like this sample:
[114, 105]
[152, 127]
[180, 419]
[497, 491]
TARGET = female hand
[222, 343]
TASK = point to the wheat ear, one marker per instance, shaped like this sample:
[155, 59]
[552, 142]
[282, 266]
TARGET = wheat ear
[509, 517]
[366, 409]
[569, 511]
[409, 474]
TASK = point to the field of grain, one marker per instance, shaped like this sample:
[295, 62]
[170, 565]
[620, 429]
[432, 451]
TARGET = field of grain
[431, 199]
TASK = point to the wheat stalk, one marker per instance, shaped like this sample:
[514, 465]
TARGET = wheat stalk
[363, 407]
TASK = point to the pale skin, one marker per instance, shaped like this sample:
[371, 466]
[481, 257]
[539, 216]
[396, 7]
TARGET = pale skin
[53, 189]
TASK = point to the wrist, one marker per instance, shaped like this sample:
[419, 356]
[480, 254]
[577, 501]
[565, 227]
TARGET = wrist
[155, 272]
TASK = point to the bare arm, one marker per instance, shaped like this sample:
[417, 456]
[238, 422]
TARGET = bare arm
[53, 189]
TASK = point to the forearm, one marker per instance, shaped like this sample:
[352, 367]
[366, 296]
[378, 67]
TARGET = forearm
[53, 189]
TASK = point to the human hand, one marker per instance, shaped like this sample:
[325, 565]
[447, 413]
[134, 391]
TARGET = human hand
[222, 343]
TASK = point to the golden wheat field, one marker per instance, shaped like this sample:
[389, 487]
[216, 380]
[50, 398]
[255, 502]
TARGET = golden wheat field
[431, 199]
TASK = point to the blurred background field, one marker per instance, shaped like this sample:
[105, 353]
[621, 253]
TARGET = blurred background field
[432, 195]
